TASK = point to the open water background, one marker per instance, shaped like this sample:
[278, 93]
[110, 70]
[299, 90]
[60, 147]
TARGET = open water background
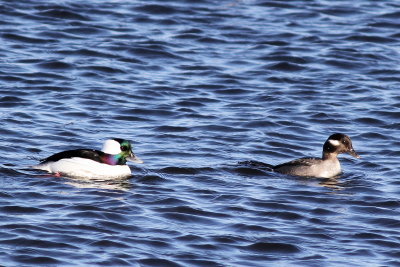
[199, 86]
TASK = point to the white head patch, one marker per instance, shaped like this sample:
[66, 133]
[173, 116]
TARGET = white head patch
[334, 142]
[111, 147]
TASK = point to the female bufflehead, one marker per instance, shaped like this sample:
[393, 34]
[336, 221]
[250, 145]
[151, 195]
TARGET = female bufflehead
[88, 163]
[326, 167]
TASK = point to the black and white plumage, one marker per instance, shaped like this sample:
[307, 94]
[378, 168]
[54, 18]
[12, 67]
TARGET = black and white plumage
[110, 163]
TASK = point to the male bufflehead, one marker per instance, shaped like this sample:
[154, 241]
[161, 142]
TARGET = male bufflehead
[326, 167]
[110, 163]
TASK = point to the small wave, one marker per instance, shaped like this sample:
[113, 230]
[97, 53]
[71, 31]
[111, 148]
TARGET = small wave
[55, 65]
[60, 13]
[26, 39]
[157, 9]
[272, 247]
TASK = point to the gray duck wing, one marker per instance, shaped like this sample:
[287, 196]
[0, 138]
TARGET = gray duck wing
[303, 162]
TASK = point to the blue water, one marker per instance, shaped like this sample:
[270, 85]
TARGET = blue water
[199, 86]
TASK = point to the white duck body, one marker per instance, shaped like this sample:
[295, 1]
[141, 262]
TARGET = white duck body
[85, 168]
[110, 163]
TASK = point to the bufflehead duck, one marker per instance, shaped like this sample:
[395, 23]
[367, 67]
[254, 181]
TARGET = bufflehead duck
[110, 163]
[326, 167]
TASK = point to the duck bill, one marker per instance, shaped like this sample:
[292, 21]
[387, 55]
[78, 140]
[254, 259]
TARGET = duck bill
[133, 158]
[354, 154]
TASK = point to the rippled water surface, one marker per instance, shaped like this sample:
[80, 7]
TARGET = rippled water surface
[199, 86]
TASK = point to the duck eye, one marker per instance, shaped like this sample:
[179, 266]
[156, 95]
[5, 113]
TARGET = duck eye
[124, 148]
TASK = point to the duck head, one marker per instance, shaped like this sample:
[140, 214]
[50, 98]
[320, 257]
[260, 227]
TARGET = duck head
[338, 143]
[121, 149]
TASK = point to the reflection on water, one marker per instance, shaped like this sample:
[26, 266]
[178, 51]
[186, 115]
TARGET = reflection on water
[123, 185]
[334, 184]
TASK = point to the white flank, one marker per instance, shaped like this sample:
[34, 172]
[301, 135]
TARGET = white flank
[334, 142]
[85, 168]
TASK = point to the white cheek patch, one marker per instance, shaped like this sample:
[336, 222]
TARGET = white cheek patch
[334, 142]
[111, 147]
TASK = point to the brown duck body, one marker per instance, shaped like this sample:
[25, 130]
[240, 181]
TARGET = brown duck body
[326, 167]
